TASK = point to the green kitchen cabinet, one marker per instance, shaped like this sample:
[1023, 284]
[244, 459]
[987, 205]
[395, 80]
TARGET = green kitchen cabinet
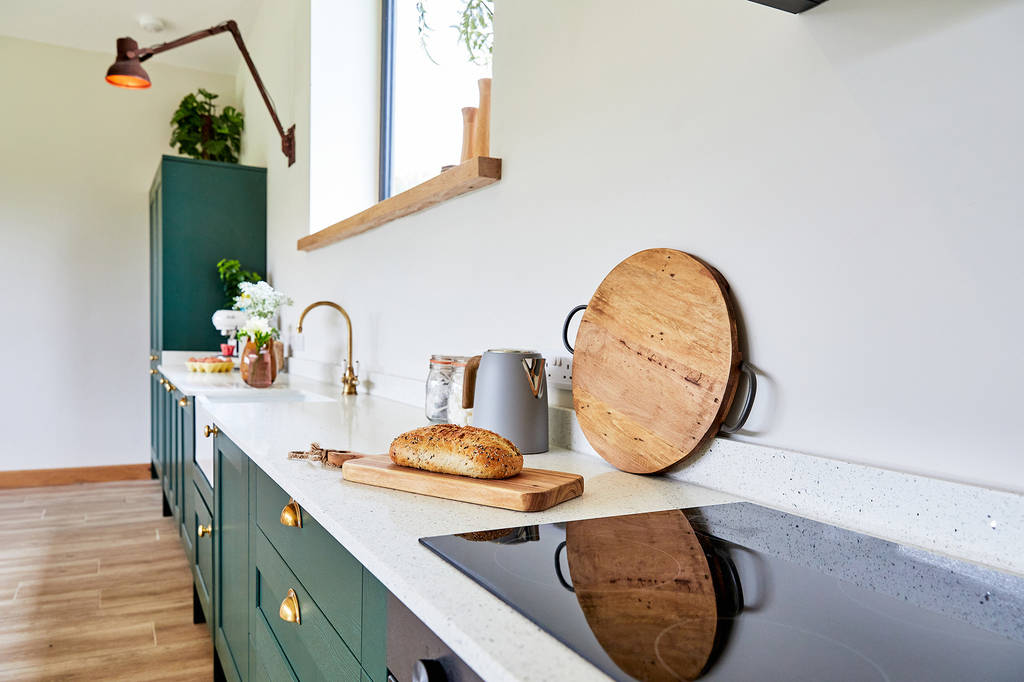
[199, 213]
[184, 407]
[173, 434]
[247, 557]
[230, 560]
[155, 433]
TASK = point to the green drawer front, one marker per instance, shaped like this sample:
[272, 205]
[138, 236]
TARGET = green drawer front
[204, 551]
[267, 660]
[331, 575]
[313, 647]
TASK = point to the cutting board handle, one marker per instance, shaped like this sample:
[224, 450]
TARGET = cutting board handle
[748, 401]
[565, 327]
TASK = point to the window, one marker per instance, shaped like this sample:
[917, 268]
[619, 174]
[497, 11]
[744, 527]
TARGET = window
[433, 53]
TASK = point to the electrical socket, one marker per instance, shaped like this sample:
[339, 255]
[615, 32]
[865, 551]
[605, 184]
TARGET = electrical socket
[559, 371]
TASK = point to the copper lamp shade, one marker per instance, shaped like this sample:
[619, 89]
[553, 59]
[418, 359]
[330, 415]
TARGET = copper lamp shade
[126, 71]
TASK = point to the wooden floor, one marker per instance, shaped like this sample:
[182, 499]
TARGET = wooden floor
[94, 585]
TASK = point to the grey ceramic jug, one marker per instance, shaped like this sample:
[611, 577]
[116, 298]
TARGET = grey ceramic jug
[508, 391]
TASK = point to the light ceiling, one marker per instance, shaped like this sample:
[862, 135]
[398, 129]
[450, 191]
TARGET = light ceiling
[96, 24]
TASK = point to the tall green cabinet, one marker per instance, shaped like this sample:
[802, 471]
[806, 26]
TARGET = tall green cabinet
[200, 212]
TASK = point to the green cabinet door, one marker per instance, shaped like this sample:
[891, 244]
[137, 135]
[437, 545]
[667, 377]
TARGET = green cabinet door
[186, 454]
[164, 446]
[373, 654]
[200, 212]
[231, 558]
[154, 423]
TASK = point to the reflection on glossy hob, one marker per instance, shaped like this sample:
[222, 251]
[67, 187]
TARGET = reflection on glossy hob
[739, 591]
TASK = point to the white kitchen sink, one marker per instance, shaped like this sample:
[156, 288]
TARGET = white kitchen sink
[268, 395]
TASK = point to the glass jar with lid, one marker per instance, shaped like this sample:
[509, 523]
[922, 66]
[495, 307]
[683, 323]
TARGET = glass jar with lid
[439, 380]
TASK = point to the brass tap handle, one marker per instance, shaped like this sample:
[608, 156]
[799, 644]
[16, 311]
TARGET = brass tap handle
[203, 531]
[289, 610]
[350, 379]
[152, 371]
[183, 402]
[291, 515]
[209, 430]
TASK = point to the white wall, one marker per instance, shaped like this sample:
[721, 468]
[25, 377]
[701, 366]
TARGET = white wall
[854, 172]
[343, 156]
[76, 160]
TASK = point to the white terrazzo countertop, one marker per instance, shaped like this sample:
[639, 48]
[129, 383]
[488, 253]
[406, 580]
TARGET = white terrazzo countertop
[381, 527]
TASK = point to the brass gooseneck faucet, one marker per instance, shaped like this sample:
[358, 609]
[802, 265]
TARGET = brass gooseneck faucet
[349, 379]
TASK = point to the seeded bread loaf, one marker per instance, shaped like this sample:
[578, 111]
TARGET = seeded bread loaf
[462, 450]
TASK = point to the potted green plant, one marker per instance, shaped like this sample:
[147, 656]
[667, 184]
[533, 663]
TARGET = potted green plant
[202, 133]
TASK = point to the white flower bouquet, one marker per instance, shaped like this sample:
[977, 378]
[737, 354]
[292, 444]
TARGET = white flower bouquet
[258, 330]
[260, 300]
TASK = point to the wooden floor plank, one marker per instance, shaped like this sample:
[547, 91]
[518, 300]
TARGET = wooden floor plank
[95, 585]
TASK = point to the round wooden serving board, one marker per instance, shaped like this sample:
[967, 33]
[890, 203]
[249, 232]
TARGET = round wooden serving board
[657, 360]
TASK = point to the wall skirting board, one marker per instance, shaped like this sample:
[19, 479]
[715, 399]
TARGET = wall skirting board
[30, 478]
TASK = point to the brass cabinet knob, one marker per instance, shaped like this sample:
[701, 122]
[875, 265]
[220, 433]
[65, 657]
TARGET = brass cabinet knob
[162, 381]
[154, 358]
[203, 531]
[289, 610]
[183, 402]
[152, 371]
[168, 387]
[209, 430]
[291, 515]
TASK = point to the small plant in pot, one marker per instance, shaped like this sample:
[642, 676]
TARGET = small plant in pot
[202, 133]
[259, 366]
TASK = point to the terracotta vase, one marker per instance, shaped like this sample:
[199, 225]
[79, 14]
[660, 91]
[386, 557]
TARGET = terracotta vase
[258, 366]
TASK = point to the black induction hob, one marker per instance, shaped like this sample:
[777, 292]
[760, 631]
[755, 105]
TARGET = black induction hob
[741, 592]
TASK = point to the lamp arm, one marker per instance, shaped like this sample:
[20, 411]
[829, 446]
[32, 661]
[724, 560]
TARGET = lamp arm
[287, 137]
[145, 53]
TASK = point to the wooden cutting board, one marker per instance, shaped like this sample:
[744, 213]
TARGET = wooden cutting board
[645, 588]
[657, 360]
[530, 490]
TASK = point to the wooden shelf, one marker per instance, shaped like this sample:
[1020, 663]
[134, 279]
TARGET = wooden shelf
[475, 173]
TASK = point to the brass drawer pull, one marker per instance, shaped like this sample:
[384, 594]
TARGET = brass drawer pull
[202, 531]
[291, 515]
[289, 610]
[183, 402]
[210, 430]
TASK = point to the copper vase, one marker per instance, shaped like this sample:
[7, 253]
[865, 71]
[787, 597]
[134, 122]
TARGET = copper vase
[258, 366]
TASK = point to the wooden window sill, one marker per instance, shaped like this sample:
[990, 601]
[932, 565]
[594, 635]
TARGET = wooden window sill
[470, 175]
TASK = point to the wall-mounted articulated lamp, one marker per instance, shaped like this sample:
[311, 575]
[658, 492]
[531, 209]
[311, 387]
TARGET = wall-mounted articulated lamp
[127, 71]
